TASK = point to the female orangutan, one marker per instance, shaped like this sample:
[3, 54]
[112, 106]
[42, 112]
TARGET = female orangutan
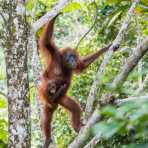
[56, 79]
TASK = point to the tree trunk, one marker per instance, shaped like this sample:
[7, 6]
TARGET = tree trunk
[17, 75]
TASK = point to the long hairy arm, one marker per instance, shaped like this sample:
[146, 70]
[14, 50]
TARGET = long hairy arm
[46, 42]
[87, 60]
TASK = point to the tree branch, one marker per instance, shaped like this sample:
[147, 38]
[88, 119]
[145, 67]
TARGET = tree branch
[3, 94]
[37, 68]
[84, 132]
[131, 63]
[39, 23]
[136, 98]
[142, 86]
[96, 139]
[127, 68]
[99, 75]
[133, 60]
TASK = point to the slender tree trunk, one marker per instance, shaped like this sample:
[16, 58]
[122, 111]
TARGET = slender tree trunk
[17, 75]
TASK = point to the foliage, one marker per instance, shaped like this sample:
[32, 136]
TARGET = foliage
[3, 106]
[3, 122]
[122, 126]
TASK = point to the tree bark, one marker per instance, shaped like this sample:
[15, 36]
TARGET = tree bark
[132, 61]
[38, 24]
[17, 75]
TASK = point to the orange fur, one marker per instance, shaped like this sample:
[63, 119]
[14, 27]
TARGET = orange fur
[58, 72]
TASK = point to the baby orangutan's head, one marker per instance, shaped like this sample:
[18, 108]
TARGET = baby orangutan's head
[51, 87]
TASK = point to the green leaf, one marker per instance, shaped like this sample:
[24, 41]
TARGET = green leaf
[145, 31]
[145, 2]
[72, 7]
[107, 130]
[126, 108]
[141, 113]
[109, 111]
[112, 1]
[141, 9]
[135, 146]
[3, 103]
[30, 5]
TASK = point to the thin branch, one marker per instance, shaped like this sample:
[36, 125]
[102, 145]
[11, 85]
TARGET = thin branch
[96, 139]
[136, 98]
[99, 75]
[84, 132]
[132, 61]
[82, 136]
[90, 29]
[37, 68]
[139, 39]
[3, 17]
[3, 94]
[36, 65]
[142, 86]
[127, 68]
[39, 23]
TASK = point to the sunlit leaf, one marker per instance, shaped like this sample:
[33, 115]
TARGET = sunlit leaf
[145, 31]
[141, 9]
[112, 1]
[72, 7]
[30, 4]
[3, 103]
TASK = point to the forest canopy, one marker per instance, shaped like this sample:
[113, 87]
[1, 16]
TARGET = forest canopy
[112, 91]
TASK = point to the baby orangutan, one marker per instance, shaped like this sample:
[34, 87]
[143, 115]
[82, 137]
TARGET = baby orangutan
[55, 87]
